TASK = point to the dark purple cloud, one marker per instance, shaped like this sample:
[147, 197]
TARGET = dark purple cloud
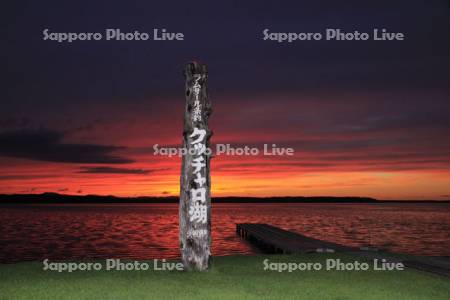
[48, 145]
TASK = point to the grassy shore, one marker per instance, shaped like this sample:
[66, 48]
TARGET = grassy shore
[238, 277]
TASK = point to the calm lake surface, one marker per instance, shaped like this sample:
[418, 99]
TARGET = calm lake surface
[144, 231]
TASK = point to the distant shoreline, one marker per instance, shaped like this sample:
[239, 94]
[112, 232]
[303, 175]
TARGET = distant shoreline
[55, 198]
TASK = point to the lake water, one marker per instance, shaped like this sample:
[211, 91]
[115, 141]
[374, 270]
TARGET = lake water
[144, 231]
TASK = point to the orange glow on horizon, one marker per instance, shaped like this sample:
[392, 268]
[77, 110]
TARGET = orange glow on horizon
[258, 177]
[377, 162]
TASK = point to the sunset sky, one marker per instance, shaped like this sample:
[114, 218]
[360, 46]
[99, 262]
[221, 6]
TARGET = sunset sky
[365, 118]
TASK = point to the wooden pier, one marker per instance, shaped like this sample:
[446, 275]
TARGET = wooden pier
[272, 239]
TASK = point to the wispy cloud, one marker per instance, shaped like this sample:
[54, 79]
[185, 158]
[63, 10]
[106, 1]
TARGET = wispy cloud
[113, 170]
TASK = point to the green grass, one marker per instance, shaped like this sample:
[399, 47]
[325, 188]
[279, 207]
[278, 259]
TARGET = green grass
[238, 277]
